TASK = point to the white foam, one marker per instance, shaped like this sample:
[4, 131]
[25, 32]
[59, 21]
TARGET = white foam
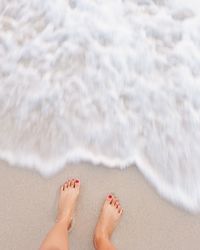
[113, 82]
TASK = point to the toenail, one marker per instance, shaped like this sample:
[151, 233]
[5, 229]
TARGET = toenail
[110, 196]
[77, 181]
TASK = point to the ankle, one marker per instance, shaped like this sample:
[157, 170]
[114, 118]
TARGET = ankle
[100, 239]
[63, 222]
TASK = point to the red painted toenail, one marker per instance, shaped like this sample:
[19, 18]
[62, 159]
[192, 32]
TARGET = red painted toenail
[110, 196]
[77, 181]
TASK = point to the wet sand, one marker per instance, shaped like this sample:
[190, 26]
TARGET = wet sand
[28, 207]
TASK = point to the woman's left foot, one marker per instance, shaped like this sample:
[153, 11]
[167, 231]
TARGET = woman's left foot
[69, 193]
[108, 219]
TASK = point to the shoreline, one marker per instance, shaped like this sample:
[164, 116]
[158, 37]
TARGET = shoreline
[149, 222]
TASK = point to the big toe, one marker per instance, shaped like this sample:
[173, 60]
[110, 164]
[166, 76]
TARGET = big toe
[77, 183]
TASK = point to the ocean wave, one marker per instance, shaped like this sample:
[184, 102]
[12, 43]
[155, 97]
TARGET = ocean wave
[108, 82]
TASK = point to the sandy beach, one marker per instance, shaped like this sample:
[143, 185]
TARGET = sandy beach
[28, 207]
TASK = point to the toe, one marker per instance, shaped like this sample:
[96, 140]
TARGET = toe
[64, 185]
[110, 199]
[77, 183]
[120, 210]
[114, 200]
[67, 184]
[117, 205]
[72, 183]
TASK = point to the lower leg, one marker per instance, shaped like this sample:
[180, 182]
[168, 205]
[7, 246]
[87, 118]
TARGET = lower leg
[108, 220]
[57, 238]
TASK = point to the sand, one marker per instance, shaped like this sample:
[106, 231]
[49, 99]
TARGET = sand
[28, 205]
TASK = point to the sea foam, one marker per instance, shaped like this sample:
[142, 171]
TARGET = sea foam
[106, 81]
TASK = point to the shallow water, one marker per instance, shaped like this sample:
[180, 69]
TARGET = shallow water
[112, 82]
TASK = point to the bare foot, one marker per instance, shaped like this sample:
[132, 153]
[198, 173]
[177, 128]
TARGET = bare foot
[69, 192]
[108, 219]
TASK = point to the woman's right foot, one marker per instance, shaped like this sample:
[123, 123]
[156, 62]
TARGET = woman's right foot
[108, 219]
[69, 193]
